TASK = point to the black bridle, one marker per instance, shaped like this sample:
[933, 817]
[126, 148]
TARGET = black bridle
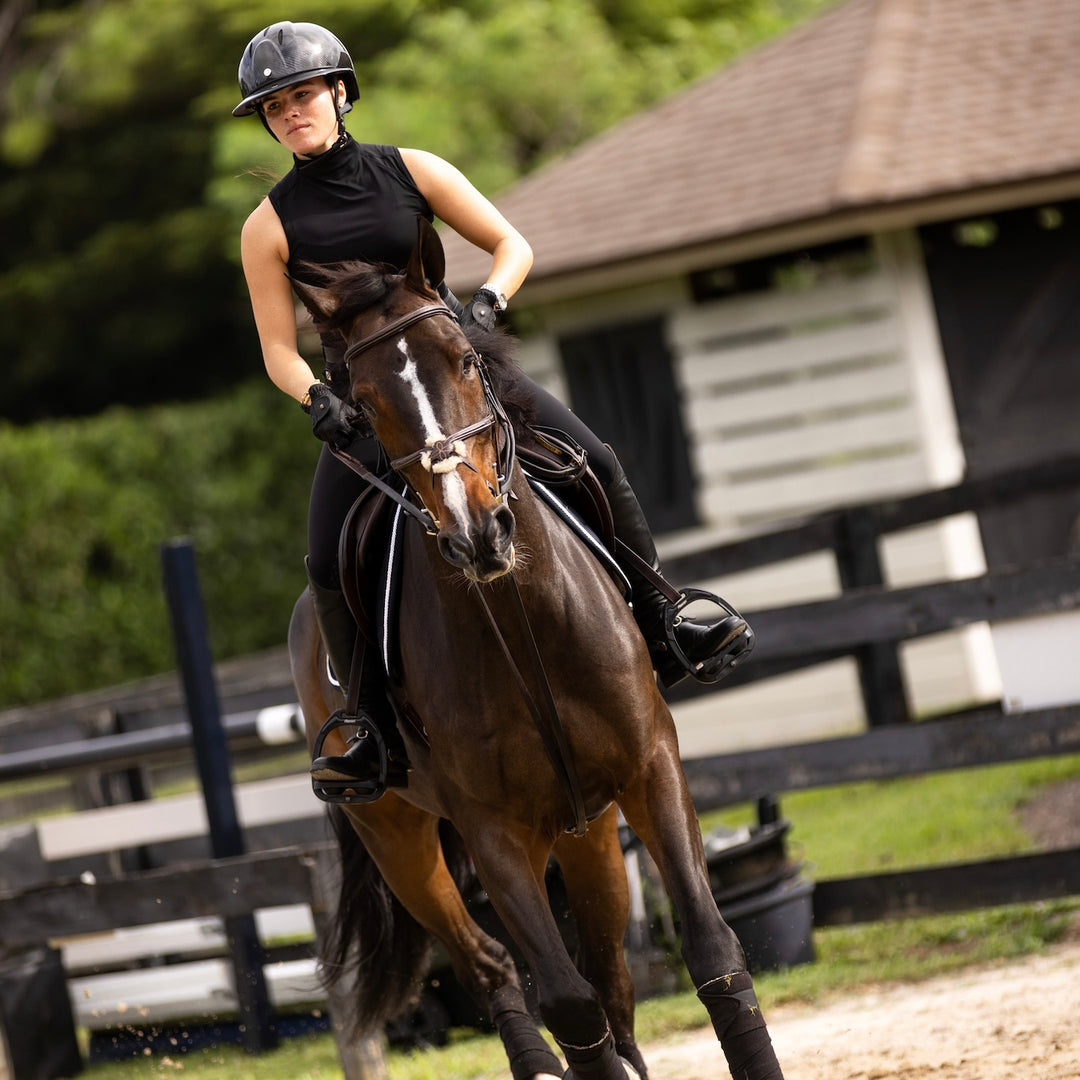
[441, 450]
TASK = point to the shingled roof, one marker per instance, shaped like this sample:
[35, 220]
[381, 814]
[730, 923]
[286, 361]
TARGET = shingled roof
[875, 102]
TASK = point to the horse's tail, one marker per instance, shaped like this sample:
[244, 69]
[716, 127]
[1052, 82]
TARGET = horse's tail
[372, 938]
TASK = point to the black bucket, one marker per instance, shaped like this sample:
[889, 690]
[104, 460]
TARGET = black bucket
[747, 860]
[775, 927]
[761, 896]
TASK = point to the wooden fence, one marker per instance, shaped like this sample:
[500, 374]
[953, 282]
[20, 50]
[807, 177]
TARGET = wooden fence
[869, 621]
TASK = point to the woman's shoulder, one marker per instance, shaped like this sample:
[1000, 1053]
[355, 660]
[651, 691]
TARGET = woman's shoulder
[263, 229]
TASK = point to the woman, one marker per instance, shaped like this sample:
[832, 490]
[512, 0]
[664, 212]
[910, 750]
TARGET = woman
[346, 200]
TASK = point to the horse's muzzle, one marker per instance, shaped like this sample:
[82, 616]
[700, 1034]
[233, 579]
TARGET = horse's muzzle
[483, 550]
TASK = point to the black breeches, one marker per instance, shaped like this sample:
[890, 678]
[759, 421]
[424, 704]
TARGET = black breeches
[336, 487]
[551, 412]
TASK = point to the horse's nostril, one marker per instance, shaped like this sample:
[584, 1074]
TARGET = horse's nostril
[504, 521]
[456, 548]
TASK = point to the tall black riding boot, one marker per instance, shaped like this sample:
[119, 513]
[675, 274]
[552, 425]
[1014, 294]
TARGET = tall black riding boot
[375, 757]
[709, 648]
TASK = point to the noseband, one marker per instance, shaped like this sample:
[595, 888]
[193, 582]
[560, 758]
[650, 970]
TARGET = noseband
[443, 454]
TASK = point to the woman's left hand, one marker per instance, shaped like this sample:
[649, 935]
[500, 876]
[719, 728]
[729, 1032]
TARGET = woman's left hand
[479, 310]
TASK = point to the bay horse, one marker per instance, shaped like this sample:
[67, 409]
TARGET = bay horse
[478, 755]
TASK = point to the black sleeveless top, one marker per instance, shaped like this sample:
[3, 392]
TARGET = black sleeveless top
[356, 201]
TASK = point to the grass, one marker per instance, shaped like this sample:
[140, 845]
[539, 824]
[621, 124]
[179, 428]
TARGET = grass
[897, 824]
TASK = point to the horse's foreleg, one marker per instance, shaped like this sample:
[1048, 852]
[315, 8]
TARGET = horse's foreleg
[595, 875]
[511, 868]
[659, 809]
[405, 844]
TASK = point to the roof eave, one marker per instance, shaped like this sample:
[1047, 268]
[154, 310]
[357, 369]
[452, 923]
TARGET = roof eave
[546, 286]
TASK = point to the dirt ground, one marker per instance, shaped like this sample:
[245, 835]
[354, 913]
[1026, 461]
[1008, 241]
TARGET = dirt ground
[1020, 1019]
[998, 1023]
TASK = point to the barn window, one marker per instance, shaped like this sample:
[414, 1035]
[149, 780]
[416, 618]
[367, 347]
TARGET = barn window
[792, 270]
[621, 384]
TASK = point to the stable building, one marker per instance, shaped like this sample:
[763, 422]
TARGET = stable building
[845, 267]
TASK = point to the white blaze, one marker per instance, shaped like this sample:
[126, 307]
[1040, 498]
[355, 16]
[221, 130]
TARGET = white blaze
[453, 486]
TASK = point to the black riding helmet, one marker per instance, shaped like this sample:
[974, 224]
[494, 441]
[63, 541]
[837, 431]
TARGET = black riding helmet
[287, 53]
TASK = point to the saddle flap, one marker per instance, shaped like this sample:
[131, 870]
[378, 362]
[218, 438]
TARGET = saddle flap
[362, 557]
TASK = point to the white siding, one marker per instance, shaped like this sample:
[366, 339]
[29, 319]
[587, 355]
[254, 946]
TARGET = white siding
[797, 401]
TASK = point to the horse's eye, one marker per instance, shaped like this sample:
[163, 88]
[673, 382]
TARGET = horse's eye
[468, 362]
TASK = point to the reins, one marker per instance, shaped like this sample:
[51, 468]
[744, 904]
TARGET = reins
[545, 714]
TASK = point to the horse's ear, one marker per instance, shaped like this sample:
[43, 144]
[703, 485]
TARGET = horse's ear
[427, 264]
[320, 302]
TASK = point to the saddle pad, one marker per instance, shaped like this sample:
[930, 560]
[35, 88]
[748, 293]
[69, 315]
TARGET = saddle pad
[585, 534]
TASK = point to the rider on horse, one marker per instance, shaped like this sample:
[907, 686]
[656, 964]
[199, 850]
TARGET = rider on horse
[344, 200]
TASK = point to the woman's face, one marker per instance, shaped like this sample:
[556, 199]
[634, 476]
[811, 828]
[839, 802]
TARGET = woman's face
[303, 116]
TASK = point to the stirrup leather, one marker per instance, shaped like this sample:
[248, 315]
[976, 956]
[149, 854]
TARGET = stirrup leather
[729, 654]
[347, 787]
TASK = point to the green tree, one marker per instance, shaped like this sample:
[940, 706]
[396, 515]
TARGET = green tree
[124, 180]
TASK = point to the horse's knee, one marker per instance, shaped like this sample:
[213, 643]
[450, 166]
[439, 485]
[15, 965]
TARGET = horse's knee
[711, 947]
[574, 1015]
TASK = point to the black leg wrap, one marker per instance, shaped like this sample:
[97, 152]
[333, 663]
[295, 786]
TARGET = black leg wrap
[524, 1045]
[631, 1055]
[740, 1027]
[600, 1061]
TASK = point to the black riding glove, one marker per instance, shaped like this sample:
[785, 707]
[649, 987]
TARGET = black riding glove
[480, 310]
[332, 420]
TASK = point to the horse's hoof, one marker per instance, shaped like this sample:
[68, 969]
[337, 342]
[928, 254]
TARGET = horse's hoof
[631, 1072]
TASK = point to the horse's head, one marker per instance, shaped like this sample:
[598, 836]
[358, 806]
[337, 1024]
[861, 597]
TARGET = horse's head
[417, 379]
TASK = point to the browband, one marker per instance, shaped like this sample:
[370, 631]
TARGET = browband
[395, 327]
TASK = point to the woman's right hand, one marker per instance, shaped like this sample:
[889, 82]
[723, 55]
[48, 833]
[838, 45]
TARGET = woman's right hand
[334, 421]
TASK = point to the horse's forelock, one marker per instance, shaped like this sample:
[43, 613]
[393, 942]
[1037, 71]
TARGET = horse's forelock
[354, 286]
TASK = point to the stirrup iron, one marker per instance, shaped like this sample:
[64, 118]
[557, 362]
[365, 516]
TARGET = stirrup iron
[343, 788]
[714, 667]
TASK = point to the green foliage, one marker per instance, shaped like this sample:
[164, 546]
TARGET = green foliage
[85, 505]
[124, 179]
